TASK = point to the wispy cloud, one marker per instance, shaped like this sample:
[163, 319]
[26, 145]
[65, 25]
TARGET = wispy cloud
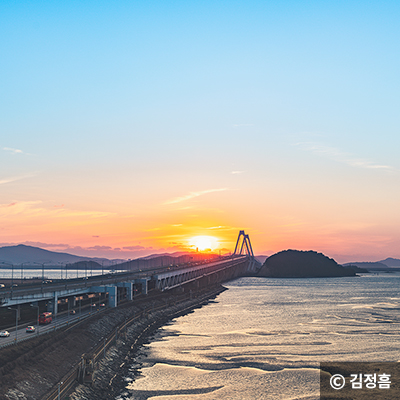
[15, 178]
[192, 195]
[14, 151]
[7, 180]
[222, 227]
[36, 209]
[340, 156]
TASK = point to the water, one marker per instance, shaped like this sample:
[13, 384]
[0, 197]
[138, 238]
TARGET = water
[263, 339]
[48, 273]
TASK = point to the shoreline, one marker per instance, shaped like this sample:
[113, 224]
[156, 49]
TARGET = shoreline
[34, 368]
[109, 377]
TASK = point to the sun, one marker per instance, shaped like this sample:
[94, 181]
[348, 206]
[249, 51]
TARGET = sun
[203, 243]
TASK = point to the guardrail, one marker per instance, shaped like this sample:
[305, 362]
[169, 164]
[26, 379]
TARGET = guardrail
[55, 327]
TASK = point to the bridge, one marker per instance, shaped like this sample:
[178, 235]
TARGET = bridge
[124, 285]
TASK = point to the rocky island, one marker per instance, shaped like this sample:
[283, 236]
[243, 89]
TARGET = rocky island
[302, 264]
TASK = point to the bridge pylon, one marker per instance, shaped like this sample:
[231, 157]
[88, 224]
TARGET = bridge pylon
[243, 244]
[246, 245]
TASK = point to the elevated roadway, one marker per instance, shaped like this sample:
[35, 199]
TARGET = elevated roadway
[140, 281]
[124, 284]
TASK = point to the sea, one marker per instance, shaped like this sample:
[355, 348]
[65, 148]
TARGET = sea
[19, 273]
[264, 338]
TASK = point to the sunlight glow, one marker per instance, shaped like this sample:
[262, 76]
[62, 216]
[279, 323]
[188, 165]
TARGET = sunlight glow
[203, 243]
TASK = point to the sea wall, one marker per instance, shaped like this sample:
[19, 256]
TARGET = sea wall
[33, 369]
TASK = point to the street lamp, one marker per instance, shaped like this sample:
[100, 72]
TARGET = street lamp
[42, 264]
[16, 322]
[12, 276]
[37, 319]
[22, 272]
[61, 265]
[59, 385]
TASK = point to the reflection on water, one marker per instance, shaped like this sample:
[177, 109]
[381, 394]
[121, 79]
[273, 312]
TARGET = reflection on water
[263, 339]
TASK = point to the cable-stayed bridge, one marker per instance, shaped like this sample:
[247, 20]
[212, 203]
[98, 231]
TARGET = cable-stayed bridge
[125, 285]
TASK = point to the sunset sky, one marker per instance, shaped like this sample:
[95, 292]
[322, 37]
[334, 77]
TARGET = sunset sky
[129, 127]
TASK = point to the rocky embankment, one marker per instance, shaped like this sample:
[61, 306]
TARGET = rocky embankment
[32, 368]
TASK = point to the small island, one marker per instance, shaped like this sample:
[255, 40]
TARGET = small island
[302, 264]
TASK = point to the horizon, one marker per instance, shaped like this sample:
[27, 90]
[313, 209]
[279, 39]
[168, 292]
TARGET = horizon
[156, 126]
[118, 254]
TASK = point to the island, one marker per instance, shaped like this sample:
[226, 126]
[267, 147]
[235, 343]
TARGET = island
[302, 264]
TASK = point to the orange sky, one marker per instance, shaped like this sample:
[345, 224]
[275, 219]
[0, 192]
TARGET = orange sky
[126, 130]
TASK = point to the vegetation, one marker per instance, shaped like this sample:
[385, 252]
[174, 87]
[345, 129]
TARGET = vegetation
[302, 264]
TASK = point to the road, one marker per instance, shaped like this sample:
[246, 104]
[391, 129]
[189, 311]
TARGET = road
[61, 320]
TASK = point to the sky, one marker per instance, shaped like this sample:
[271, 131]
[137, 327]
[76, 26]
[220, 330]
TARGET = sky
[132, 127]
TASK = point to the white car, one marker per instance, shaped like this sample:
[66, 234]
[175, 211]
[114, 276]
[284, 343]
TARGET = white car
[4, 334]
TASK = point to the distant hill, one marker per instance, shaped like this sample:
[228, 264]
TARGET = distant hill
[388, 263]
[261, 258]
[367, 265]
[88, 265]
[302, 264]
[391, 262]
[176, 254]
[30, 255]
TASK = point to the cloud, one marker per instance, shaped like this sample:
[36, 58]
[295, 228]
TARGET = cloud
[9, 205]
[12, 179]
[192, 195]
[221, 227]
[237, 172]
[15, 178]
[340, 156]
[99, 248]
[14, 151]
[134, 248]
[31, 210]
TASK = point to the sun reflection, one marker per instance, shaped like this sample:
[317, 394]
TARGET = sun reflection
[203, 243]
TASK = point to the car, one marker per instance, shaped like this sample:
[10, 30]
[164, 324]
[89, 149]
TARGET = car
[4, 334]
[102, 305]
[72, 312]
[30, 329]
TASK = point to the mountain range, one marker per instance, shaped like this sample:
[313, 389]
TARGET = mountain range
[30, 255]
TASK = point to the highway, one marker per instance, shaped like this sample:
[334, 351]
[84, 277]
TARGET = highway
[41, 288]
[61, 320]
[78, 284]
